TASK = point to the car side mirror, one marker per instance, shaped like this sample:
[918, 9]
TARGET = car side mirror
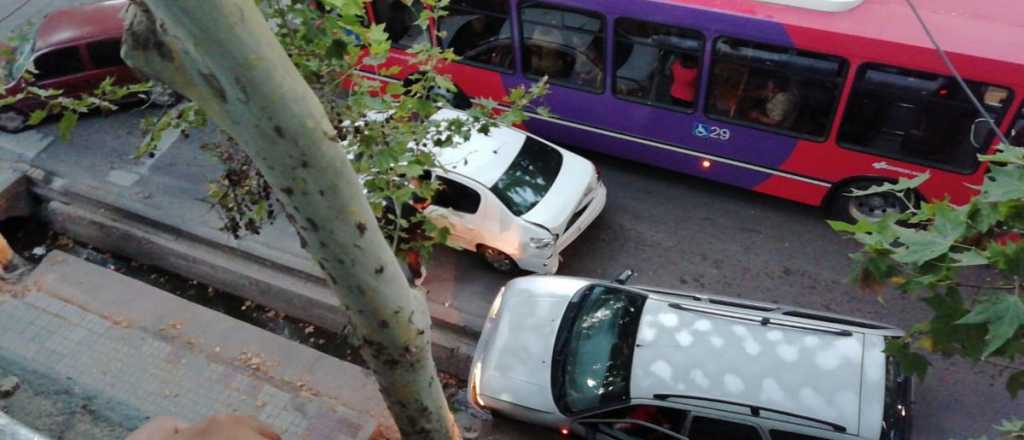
[624, 277]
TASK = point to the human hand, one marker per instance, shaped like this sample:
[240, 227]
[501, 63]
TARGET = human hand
[214, 428]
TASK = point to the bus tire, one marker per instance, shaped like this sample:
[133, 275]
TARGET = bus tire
[852, 209]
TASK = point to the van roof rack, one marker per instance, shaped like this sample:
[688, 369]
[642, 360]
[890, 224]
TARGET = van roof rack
[754, 409]
[763, 320]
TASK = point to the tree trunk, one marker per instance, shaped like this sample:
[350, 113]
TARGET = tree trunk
[222, 55]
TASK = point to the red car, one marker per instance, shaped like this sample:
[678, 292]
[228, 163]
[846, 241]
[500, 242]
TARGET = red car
[73, 49]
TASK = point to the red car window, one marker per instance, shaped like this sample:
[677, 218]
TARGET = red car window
[58, 63]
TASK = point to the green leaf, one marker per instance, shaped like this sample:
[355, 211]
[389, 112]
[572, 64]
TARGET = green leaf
[1003, 313]
[1008, 257]
[44, 93]
[969, 258]
[66, 124]
[37, 117]
[873, 271]
[1015, 383]
[921, 246]
[910, 362]
[900, 186]
[945, 334]
[1003, 183]
[1007, 155]
[983, 215]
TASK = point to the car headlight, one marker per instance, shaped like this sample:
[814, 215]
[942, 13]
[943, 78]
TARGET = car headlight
[541, 243]
[474, 384]
[496, 305]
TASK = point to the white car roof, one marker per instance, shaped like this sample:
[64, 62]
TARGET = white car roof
[483, 158]
[832, 376]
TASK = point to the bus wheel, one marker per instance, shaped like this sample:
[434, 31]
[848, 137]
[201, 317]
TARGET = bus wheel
[871, 207]
[497, 259]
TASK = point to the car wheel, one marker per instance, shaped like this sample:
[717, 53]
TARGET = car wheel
[498, 259]
[12, 120]
[162, 95]
[871, 207]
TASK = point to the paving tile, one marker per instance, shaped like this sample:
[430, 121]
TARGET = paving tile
[155, 377]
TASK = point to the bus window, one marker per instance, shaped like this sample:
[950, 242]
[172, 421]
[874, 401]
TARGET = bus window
[920, 117]
[657, 64]
[479, 31]
[776, 88]
[566, 46]
[399, 22]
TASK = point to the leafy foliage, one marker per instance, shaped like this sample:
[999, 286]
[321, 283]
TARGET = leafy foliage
[383, 125]
[52, 102]
[966, 263]
[1008, 430]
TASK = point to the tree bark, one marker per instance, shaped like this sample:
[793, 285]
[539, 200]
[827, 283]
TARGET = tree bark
[222, 55]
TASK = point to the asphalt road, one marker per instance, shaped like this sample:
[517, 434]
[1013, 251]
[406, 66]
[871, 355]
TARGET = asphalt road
[675, 231]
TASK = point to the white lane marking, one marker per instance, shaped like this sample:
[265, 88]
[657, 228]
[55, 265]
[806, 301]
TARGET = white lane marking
[123, 178]
[166, 140]
[129, 175]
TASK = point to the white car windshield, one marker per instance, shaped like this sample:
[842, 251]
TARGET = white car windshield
[529, 177]
[594, 348]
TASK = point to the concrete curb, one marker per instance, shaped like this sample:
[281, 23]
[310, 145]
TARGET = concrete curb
[101, 220]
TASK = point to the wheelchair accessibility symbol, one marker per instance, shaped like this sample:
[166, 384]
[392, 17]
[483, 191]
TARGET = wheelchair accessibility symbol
[710, 131]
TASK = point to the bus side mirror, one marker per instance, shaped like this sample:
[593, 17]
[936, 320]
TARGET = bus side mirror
[980, 131]
[624, 277]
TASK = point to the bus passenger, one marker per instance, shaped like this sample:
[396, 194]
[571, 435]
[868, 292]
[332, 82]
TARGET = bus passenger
[545, 57]
[780, 104]
[684, 80]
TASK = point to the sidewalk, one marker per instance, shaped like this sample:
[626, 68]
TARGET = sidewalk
[74, 331]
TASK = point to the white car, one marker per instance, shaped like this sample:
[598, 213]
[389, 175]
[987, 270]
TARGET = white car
[614, 362]
[514, 198]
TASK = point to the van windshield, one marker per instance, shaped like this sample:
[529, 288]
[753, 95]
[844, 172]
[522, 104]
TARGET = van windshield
[594, 348]
[529, 177]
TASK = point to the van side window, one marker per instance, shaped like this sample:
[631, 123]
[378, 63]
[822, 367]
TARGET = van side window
[627, 430]
[472, 25]
[564, 45]
[706, 428]
[920, 117]
[783, 435]
[399, 20]
[456, 196]
[657, 64]
[58, 63]
[105, 54]
[776, 88]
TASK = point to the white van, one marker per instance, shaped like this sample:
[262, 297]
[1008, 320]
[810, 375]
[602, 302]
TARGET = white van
[608, 361]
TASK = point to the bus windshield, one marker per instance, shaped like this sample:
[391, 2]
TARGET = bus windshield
[594, 348]
[529, 177]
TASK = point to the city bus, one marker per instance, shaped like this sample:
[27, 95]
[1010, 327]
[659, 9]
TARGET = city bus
[803, 101]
